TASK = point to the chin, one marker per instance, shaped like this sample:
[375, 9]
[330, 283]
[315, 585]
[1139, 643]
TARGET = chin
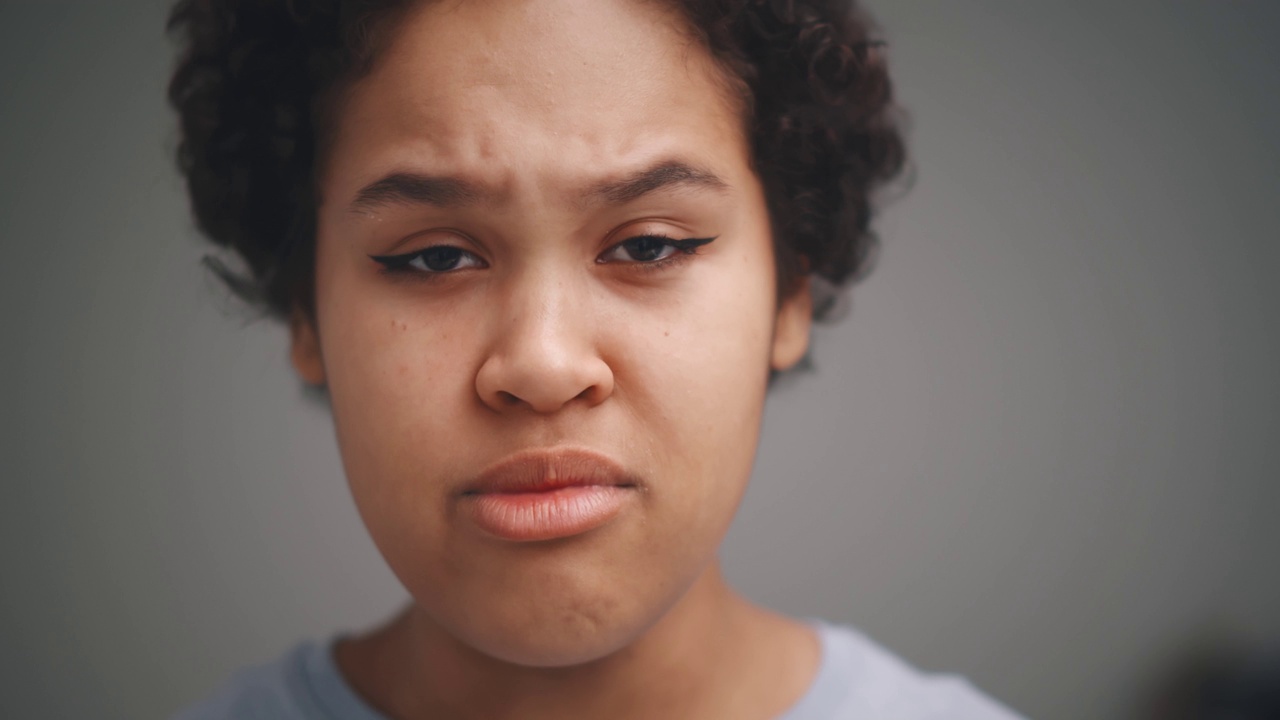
[563, 638]
[535, 616]
[537, 650]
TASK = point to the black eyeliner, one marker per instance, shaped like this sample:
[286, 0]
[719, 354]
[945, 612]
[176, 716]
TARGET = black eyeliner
[689, 246]
[395, 262]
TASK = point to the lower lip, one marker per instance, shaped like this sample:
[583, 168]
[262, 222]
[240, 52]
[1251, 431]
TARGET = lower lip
[548, 515]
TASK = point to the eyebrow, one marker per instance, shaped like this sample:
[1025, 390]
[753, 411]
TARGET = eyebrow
[415, 189]
[450, 192]
[664, 175]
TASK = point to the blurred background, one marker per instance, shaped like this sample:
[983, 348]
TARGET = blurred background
[1042, 450]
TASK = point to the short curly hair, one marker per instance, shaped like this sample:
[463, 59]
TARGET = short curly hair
[255, 83]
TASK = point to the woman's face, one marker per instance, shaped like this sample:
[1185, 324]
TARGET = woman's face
[525, 175]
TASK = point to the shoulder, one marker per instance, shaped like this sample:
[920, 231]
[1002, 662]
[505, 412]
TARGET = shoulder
[871, 681]
[274, 690]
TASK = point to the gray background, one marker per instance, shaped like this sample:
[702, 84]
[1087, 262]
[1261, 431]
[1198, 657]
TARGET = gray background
[1040, 451]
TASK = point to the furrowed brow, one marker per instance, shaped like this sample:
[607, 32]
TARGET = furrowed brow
[663, 176]
[415, 189]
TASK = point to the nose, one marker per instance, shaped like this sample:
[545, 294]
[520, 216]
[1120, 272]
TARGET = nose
[545, 355]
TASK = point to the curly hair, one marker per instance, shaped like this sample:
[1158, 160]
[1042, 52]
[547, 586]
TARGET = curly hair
[255, 80]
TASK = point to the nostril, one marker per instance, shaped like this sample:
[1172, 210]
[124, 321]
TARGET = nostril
[542, 382]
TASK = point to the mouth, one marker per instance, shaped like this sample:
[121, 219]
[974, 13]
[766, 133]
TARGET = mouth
[545, 495]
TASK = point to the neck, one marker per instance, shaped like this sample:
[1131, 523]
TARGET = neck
[695, 661]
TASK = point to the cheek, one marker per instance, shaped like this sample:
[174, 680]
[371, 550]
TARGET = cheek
[397, 380]
[382, 359]
[695, 383]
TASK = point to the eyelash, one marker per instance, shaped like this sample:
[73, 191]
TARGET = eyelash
[683, 249]
[400, 264]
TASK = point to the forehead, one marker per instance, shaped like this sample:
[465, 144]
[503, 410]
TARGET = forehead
[509, 91]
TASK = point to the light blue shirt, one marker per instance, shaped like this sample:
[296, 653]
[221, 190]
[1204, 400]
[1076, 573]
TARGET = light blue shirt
[857, 680]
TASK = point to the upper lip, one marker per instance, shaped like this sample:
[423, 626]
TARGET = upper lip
[544, 470]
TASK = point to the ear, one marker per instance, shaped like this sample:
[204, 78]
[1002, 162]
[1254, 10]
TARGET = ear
[304, 350]
[791, 330]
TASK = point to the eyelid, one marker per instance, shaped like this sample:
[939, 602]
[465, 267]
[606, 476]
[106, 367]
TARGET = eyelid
[431, 237]
[685, 246]
[436, 236]
[401, 262]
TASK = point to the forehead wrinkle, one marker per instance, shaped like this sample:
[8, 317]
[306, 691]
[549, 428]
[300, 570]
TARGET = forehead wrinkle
[485, 120]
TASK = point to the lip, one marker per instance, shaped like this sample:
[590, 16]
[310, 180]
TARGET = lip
[547, 494]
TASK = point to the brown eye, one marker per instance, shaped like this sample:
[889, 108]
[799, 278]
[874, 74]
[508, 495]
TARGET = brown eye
[433, 260]
[651, 249]
[440, 258]
[647, 248]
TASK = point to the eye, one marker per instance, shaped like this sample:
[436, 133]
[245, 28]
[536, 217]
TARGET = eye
[651, 249]
[436, 259]
[443, 258]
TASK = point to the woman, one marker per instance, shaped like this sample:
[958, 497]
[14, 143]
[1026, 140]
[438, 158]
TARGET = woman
[544, 259]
